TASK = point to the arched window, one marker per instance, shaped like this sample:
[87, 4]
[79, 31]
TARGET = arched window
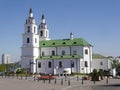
[41, 33]
[28, 40]
[86, 64]
[72, 63]
[39, 64]
[43, 53]
[74, 52]
[101, 63]
[86, 51]
[63, 52]
[49, 64]
[34, 29]
[53, 52]
[60, 64]
[28, 29]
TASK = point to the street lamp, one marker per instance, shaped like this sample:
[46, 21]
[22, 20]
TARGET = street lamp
[72, 65]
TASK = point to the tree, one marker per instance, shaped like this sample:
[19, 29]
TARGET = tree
[116, 67]
[115, 63]
[95, 75]
[101, 73]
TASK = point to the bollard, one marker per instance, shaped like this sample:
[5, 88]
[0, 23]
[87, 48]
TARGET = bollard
[82, 81]
[38, 79]
[44, 80]
[94, 81]
[26, 77]
[65, 78]
[77, 78]
[69, 82]
[61, 81]
[107, 80]
[34, 78]
[55, 81]
[49, 80]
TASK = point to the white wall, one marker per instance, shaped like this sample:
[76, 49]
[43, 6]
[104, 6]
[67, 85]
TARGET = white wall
[96, 64]
[59, 50]
[80, 50]
[66, 65]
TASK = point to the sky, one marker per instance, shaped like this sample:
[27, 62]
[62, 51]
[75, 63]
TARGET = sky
[97, 21]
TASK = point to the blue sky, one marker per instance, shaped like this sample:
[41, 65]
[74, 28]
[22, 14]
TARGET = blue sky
[97, 21]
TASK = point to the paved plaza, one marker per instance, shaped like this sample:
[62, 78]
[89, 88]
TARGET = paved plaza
[10, 83]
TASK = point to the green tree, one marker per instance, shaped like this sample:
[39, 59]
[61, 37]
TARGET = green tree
[116, 65]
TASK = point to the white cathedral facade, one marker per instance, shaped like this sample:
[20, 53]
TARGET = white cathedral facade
[40, 54]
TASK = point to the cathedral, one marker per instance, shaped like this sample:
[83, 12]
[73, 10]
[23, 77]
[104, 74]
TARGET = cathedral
[40, 54]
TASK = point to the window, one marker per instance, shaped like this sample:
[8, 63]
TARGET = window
[28, 40]
[72, 63]
[43, 53]
[53, 52]
[63, 52]
[41, 33]
[101, 63]
[28, 29]
[43, 43]
[53, 43]
[75, 42]
[63, 43]
[49, 64]
[26, 21]
[34, 29]
[86, 64]
[74, 52]
[60, 64]
[39, 64]
[86, 51]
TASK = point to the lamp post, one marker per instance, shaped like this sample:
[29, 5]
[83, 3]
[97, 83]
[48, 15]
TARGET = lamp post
[53, 66]
[72, 65]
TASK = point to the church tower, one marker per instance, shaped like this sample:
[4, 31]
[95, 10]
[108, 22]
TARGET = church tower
[43, 29]
[30, 47]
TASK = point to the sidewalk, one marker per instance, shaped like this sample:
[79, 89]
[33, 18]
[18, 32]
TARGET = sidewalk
[113, 84]
[30, 84]
[17, 84]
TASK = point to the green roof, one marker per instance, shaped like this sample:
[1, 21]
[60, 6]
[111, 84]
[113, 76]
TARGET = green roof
[58, 57]
[98, 56]
[64, 42]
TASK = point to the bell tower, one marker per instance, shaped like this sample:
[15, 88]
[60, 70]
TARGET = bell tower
[43, 29]
[30, 46]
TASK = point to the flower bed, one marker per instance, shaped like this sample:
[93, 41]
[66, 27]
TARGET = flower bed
[46, 77]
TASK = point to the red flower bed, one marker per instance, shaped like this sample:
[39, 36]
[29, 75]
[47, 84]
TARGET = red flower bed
[47, 77]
